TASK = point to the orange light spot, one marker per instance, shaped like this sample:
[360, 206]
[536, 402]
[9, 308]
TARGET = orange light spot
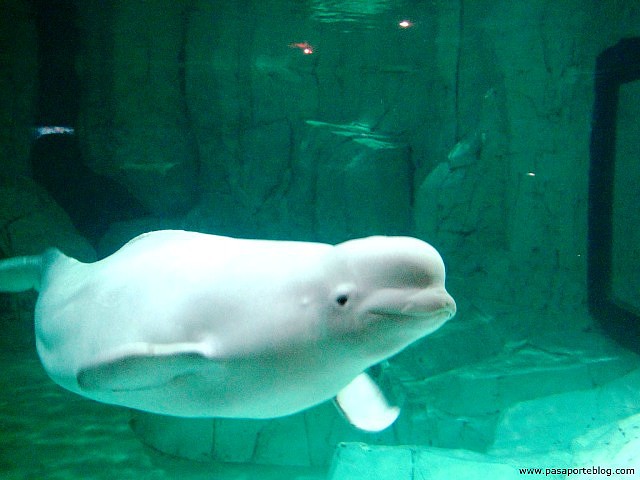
[305, 47]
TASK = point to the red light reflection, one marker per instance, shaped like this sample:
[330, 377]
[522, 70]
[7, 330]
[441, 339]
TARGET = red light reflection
[305, 47]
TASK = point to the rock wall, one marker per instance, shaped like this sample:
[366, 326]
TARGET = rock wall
[201, 107]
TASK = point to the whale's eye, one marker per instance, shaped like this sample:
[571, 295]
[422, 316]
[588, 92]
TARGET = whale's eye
[343, 294]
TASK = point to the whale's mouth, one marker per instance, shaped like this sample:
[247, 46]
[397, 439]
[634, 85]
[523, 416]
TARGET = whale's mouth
[425, 305]
[447, 311]
[428, 302]
[443, 313]
[402, 326]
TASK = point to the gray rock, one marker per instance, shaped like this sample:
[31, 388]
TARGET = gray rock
[30, 222]
[353, 461]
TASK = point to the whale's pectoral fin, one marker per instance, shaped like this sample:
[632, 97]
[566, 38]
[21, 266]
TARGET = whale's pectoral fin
[142, 366]
[364, 405]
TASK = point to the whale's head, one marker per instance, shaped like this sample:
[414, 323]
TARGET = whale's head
[390, 293]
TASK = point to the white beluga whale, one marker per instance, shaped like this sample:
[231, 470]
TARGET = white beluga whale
[195, 325]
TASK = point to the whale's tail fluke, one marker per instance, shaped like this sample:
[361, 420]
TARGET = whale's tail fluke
[19, 274]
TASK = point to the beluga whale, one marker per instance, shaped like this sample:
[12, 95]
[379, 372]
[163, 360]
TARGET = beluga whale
[196, 325]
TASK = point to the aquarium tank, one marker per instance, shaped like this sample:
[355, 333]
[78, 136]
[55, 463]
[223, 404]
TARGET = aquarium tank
[503, 133]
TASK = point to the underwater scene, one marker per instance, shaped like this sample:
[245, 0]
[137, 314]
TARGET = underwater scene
[319, 239]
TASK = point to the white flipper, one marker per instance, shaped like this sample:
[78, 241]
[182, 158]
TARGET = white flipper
[142, 366]
[364, 405]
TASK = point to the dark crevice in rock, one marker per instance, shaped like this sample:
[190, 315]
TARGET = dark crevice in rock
[92, 201]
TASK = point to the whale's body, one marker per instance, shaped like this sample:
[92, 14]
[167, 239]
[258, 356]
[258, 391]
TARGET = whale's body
[195, 325]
